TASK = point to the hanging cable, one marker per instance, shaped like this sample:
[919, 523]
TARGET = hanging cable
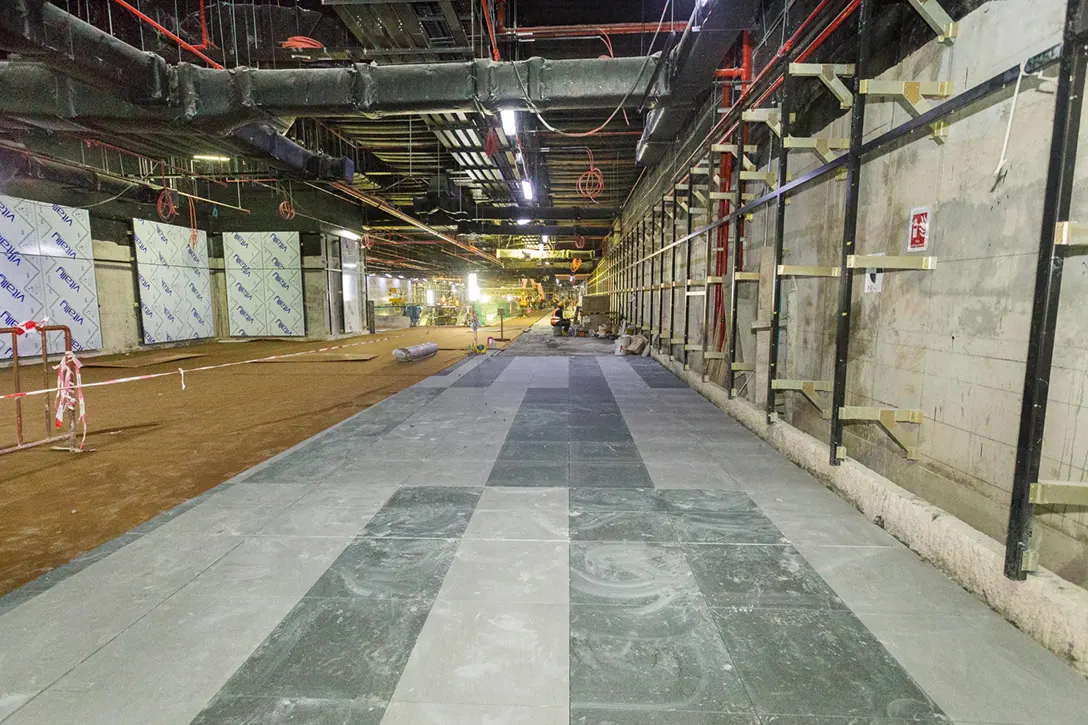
[302, 42]
[591, 183]
[168, 210]
[619, 106]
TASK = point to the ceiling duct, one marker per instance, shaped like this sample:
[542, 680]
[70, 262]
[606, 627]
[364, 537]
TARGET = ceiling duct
[714, 27]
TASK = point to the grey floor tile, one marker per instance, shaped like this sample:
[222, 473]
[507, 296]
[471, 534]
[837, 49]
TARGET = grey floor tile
[622, 526]
[734, 527]
[13, 599]
[673, 450]
[419, 713]
[311, 463]
[889, 579]
[488, 653]
[851, 529]
[595, 716]
[686, 474]
[526, 572]
[605, 451]
[545, 525]
[100, 707]
[630, 574]
[466, 451]
[531, 417]
[315, 651]
[614, 475]
[603, 415]
[320, 521]
[539, 432]
[496, 498]
[758, 576]
[552, 451]
[366, 498]
[289, 711]
[387, 569]
[534, 473]
[189, 645]
[978, 668]
[664, 659]
[208, 521]
[460, 472]
[880, 720]
[822, 663]
[270, 566]
[706, 501]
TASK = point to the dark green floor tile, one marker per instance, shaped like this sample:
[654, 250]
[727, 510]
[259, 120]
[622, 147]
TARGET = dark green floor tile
[609, 474]
[522, 431]
[352, 649]
[585, 716]
[741, 527]
[605, 451]
[532, 417]
[669, 658]
[289, 711]
[553, 451]
[388, 569]
[758, 576]
[421, 521]
[630, 574]
[708, 501]
[622, 526]
[613, 499]
[818, 663]
[530, 473]
[804, 720]
[615, 432]
[458, 497]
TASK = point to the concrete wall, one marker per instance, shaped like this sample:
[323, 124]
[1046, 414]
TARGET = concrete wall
[951, 342]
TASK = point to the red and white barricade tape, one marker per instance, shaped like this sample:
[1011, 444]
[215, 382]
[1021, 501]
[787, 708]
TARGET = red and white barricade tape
[70, 393]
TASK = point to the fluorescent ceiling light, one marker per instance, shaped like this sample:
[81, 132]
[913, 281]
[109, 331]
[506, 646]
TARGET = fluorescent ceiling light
[348, 235]
[522, 222]
[207, 157]
[527, 189]
[509, 122]
[544, 239]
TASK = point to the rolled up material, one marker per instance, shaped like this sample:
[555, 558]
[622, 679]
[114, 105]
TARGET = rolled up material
[415, 352]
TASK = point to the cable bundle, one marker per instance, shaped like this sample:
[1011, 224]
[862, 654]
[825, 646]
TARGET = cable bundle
[301, 42]
[166, 207]
[591, 183]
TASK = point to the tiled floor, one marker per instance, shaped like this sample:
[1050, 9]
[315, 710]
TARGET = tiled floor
[521, 541]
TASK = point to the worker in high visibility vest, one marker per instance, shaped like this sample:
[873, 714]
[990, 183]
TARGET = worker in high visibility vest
[558, 320]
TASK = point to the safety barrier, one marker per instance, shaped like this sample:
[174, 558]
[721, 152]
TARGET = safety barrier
[53, 419]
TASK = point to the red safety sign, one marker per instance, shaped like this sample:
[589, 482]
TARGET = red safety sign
[918, 236]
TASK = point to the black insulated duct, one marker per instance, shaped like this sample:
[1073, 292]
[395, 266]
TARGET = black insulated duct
[690, 72]
[34, 28]
[264, 139]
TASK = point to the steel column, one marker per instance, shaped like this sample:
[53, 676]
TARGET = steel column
[779, 243]
[672, 274]
[850, 226]
[687, 266]
[738, 188]
[1048, 281]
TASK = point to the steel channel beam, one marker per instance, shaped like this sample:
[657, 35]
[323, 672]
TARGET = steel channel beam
[661, 281]
[672, 275]
[709, 246]
[687, 266]
[1057, 201]
[788, 84]
[738, 185]
[850, 226]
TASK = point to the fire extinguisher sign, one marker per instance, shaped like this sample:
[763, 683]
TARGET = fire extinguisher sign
[918, 235]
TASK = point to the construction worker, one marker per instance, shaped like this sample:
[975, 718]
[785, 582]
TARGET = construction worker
[558, 320]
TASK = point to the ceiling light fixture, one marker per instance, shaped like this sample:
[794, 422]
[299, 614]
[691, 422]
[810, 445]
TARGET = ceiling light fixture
[509, 121]
[527, 189]
[522, 222]
[348, 235]
[208, 157]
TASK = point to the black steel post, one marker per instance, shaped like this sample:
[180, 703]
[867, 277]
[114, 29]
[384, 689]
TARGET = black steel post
[1048, 282]
[661, 281]
[779, 243]
[687, 265]
[653, 242]
[672, 274]
[738, 229]
[850, 227]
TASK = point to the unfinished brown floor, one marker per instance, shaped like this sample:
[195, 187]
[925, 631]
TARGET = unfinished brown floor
[156, 445]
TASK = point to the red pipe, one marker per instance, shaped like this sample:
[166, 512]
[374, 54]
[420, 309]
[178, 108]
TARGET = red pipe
[491, 31]
[180, 41]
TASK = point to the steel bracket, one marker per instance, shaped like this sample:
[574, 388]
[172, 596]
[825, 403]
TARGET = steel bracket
[743, 367]
[889, 419]
[809, 389]
[1071, 234]
[792, 270]
[862, 261]
[1068, 493]
[828, 73]
[936, 18]
[746, 276]
[822, 146]
[911, 94]
[770, 116]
